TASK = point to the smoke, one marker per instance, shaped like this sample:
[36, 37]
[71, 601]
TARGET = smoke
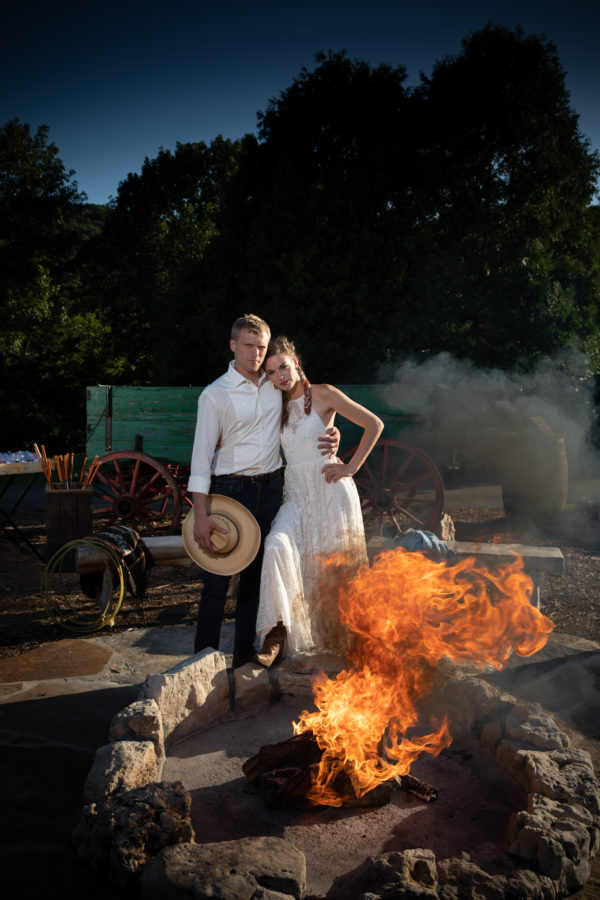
[522, 430]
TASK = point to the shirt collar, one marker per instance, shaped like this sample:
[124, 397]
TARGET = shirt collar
[236, 378]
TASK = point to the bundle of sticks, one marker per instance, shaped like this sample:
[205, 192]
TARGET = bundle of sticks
[64, 466]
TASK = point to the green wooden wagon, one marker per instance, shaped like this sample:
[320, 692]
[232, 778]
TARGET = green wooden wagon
[143, 437]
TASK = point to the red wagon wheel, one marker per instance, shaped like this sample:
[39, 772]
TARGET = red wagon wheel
[399, 484]
[137, 490]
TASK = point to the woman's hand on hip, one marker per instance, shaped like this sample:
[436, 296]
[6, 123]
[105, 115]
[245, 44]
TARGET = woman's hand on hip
[334, 471]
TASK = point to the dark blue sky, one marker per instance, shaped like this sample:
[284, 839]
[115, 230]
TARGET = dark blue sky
[115, 81]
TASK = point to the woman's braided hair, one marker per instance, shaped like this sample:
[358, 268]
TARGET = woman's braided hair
[284, 346]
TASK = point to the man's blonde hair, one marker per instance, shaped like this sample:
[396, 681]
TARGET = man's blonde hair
[249, 323]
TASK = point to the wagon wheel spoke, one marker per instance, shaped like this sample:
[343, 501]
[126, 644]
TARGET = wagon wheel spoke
[384, 463]
[119, 474]
[106, 486]
[366, 470]
[161, 498]
[409, 515]
[395, 521]
[149, 484]
[405, 465]
[153, 514]
[134, 477]
[102, 510]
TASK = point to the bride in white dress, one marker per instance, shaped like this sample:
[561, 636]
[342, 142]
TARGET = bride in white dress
[320, 515]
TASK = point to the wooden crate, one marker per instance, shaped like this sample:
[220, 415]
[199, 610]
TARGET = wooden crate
[68, 518]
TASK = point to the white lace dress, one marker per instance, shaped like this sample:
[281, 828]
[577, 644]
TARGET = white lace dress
[315, 520]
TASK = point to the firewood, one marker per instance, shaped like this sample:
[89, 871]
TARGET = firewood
[288, 788]
[290, 768]
[285, 788]
[415, 786]
[299, 751]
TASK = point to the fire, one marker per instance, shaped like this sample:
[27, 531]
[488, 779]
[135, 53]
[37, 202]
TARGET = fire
[405, 614]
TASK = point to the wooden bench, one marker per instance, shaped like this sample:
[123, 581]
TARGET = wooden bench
[537, 561]
[168, 550]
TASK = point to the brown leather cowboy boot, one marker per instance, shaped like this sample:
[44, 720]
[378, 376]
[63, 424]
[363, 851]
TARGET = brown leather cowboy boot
[272, 646]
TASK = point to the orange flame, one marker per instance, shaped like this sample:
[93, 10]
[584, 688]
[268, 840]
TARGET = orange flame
[406, 613]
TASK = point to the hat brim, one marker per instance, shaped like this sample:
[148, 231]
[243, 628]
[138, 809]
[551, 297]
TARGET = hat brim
[236, 559]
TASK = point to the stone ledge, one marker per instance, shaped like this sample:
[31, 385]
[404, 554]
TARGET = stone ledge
[190, 694]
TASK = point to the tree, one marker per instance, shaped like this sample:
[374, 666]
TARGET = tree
[49, 347]
[504, 243]
[155, 239]
[309, 233]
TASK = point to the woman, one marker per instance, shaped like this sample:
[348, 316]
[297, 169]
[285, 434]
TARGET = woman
[320, 514]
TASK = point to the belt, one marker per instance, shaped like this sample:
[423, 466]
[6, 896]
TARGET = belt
[252, 479]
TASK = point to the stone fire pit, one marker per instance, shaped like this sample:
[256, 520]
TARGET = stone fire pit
[539, 817]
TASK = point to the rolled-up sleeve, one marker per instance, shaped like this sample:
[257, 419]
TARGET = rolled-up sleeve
[205, 442]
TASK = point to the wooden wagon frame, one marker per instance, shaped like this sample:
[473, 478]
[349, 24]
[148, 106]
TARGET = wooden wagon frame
[144, 436]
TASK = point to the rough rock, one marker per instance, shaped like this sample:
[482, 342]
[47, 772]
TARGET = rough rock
[121, 766]
[461, 878]
[121, 834]
[139, 721]
[557, 838]
[472, 700]
[232, 869]
[412, 872]
[252, 687]
[190, 694]
[539, 729]
[566, 775]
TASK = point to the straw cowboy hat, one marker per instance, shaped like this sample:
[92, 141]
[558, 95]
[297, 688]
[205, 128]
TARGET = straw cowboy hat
[233, 551]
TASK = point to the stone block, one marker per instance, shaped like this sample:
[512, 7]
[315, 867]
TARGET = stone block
[294, 684]
[232, 869]
[119, 767]
[252, 687]
[140, 721]
[190, 695]
[310, 662]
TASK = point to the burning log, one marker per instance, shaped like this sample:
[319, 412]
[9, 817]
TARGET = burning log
[288, 770]
[289, 787]
[425, 792]
[297, 752]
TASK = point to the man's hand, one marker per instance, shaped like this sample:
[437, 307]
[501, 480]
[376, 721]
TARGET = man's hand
[330, 441]
[203, 526]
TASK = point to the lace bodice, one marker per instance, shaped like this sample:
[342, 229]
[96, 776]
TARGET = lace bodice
[299, 437]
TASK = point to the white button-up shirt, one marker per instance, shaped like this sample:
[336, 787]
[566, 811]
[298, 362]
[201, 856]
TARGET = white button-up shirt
[246, 418]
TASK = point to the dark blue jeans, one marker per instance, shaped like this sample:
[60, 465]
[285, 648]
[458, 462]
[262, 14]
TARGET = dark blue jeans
[263, 500]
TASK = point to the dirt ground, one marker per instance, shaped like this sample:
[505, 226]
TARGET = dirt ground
[572, 601]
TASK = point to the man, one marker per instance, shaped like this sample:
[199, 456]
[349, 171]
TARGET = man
[239, 414]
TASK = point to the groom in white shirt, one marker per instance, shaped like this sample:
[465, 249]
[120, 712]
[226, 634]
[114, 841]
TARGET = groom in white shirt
[240, 415]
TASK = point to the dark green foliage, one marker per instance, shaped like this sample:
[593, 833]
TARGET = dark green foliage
[504, 239]
[50, 345]
[150, 259]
